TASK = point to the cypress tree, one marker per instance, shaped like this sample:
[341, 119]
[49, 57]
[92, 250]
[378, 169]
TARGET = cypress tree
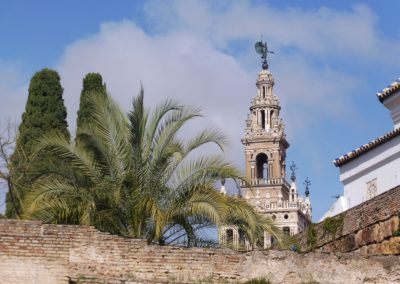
[92, 85]
[44, 112]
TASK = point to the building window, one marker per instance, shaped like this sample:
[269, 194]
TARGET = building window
[274, 241]
[261, 164]
[260, 242]
[263, 119]
[229, 236]
[372, 188]
[270, 118]
[286, 231]
[242, 237]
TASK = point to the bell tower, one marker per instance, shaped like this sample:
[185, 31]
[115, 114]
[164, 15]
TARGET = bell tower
[265, 140]
[265, 148]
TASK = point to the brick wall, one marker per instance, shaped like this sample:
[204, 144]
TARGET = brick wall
[32, 252]
[84, 252]
[368, 228]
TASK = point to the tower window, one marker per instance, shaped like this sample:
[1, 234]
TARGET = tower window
[270, 118]
[262, 165]
[263, 88]
[286, 231]
[263, 119]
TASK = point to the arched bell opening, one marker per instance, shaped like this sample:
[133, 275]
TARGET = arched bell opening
[262, 166]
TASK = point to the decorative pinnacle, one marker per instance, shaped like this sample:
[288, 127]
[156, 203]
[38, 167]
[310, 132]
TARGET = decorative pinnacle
[307, 183]
[293, 169]
[262, 49]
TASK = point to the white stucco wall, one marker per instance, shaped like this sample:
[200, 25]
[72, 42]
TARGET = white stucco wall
[338, 207]
[381, 163]
[392, 103]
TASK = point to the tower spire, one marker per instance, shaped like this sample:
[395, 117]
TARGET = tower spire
[265, 148]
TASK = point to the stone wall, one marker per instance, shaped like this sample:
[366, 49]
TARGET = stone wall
[32, 252]
[369, 228]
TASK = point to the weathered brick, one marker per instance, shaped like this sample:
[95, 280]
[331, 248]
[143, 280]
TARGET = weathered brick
[370, 223]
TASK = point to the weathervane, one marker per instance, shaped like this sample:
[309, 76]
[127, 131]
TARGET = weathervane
[307, 183]
[262, 49]
[293, 169]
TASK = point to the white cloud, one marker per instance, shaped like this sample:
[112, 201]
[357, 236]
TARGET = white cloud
[180, 66]
[321, 32]
[189, 67]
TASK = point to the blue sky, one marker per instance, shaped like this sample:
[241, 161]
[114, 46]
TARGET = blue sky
[331, 57]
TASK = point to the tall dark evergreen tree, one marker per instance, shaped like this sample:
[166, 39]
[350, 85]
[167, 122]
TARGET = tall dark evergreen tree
[92, 85]
[44, 113]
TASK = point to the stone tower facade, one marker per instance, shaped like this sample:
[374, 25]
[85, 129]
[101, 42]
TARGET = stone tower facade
[265, 148]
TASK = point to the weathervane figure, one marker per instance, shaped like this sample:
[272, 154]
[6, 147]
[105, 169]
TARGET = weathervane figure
[262, 49]
[293, 169]
[307, 183]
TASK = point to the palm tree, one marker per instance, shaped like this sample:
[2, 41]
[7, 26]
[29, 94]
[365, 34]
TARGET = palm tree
[135, 176]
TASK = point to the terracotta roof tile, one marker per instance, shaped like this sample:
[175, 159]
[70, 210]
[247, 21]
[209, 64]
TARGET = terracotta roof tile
[389, 90]
[365, 148]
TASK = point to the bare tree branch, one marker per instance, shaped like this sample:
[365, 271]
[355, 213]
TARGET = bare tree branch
[8, 135]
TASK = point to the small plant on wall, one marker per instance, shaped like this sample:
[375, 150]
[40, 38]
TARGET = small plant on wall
[397, 232]
[311, 237]
[332, 225]
[258, 281]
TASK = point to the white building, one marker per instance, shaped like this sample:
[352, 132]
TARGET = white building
[374, 167]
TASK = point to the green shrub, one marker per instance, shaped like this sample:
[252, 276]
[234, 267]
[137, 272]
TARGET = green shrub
[311, 237]
[332, 224]
[397, 233]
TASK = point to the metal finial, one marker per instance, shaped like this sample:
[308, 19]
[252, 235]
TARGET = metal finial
[307, 183]
[293, 169]
[262, 49]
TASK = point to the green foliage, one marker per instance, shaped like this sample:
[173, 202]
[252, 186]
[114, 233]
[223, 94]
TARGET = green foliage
[92, 86]
[311, 237]
[137, 178]
[258, 281]
[397, 232]
[332, 224]
[44, 112]
[12, 204]
[290, 243]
